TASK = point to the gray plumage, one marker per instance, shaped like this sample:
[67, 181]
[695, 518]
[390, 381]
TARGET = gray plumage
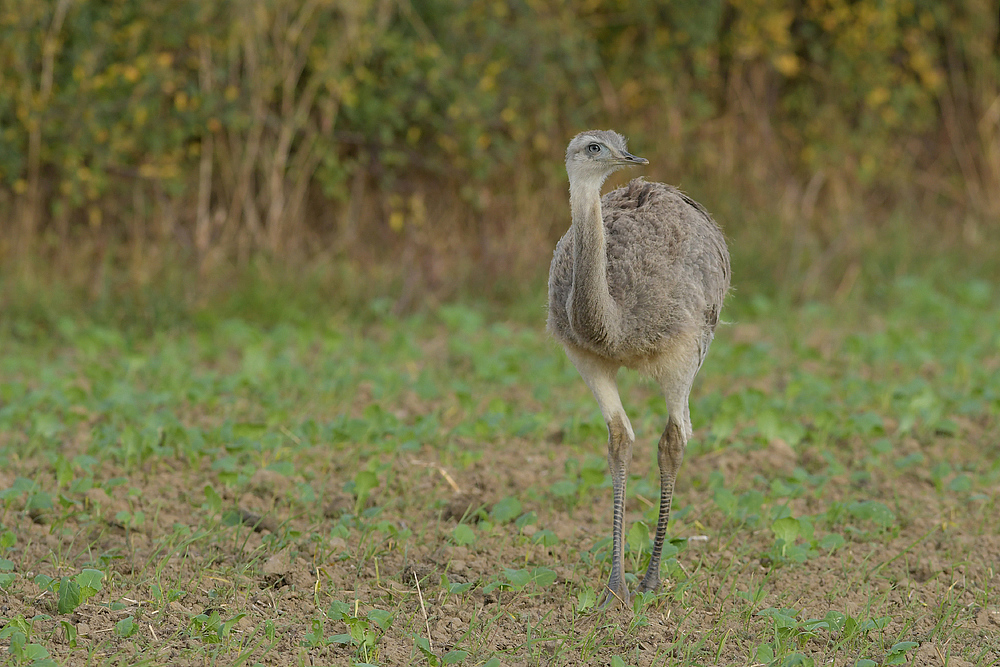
[667, 271]
[637, 281]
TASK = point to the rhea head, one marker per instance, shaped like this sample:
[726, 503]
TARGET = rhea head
[594, 155]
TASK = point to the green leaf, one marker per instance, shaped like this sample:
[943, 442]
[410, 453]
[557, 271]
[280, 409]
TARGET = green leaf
[638, 537]
[338, 610]
[90, 582]
[126, 627]
[910, 460]
[940, 471]
[873, 511]
[228, 626]
[545, 538]
[70, 596]
[783, 618]
[960, 484]
[358, 628]
[564, 488]
[586, 599]
[946, 427]
[765, 654]
[7, 539]
[424, 646]
[457, 588]
[463, 535]
[364, 482]
[506, 510]
[69, 630]
[897, 653]
[543, 576]
[381, 618]
[454, 657]
[518, 578]
[831, 541]
[835, 620]
[46, 583]
[286, 468]
[725, 501]
[213, 500]
[251, 430]
[34, 653]
[39, 501]
[314, 637]
[64, 472]
[786, 530]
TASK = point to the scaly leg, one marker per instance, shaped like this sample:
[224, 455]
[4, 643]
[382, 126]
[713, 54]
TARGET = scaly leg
[676, 385]
[600, 376]
[619, 458]
[669, 455]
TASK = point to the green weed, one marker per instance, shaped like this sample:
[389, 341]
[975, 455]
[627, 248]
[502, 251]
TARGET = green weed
[434, 490]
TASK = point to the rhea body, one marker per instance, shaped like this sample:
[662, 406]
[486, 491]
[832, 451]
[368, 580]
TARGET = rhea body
[638, 281]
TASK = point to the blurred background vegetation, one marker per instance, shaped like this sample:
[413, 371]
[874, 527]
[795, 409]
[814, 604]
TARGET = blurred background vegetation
[413, 149]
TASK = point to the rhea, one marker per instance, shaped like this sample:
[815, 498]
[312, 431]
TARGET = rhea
[638, 281]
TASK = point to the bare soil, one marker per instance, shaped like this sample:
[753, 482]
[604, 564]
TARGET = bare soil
[928, 576]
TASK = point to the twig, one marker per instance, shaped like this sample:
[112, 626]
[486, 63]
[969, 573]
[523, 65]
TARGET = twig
[294, 438]
[444, 473]
[430, 643]
[617, 597]
[642, 499]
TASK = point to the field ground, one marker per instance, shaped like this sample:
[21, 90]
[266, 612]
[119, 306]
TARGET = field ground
[432, 491]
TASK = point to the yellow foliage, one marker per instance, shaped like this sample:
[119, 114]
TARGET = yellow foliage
[472, 90]
[94, 216]
[787, 63]
[877, 96]
[396, 220]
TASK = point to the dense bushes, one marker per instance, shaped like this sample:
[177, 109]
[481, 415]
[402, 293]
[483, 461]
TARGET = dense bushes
[232, 126]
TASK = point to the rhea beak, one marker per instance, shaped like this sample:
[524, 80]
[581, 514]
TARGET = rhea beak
[630, 160]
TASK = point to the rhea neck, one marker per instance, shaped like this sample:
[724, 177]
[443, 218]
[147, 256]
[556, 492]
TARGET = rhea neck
[593, 313]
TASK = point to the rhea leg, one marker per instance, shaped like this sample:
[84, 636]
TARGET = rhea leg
[669, 455]
[600, 376]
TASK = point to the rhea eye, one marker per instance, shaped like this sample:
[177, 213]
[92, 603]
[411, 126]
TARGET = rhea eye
[594, 148]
